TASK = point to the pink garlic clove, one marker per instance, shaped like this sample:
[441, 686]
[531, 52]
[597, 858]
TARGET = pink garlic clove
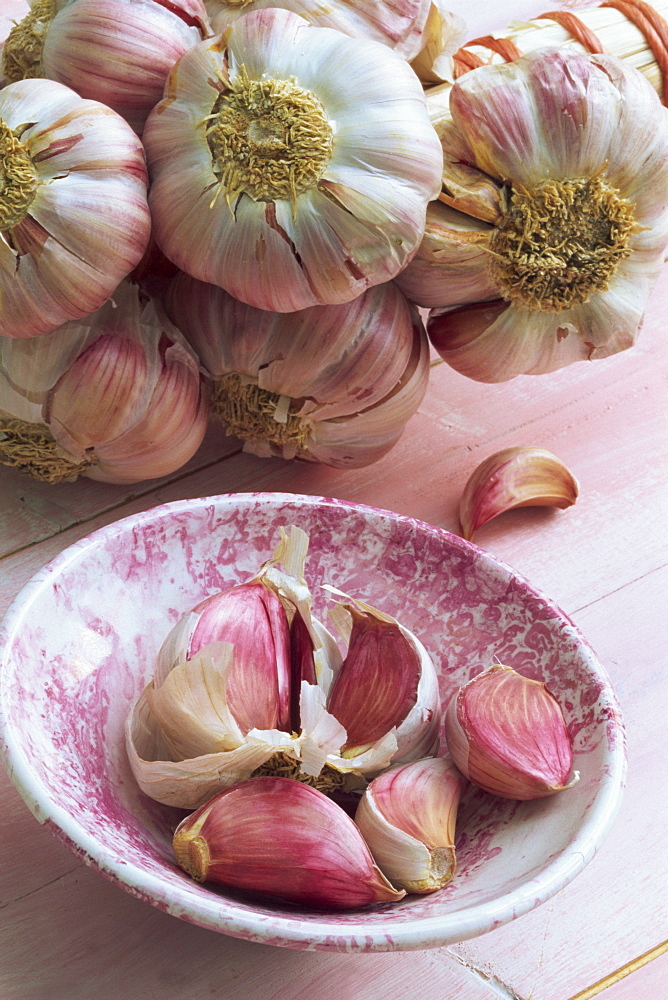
[252, 618]
[377, 685]
[407, 816]
[283, 839]
[515, 477]
[507, 734]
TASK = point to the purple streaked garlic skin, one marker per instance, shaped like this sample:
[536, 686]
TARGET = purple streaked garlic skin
[408, 816]
[285, 840]
[507, 734]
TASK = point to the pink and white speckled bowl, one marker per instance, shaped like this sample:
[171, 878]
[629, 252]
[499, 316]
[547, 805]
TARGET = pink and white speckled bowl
[78, 645]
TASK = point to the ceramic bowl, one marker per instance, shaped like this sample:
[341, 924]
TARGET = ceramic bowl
[78, 646]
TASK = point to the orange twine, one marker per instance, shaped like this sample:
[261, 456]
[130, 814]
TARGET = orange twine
[638, 12]
[654, 28]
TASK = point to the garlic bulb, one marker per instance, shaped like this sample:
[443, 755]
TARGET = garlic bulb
[419, 30]
[116, 397]
[515, 477]
[407, 816]
[118, 52]
[507, 734]
[291, 165]
[74, 218]
[285, 840]
[334, 384]
[556, 175]
[229, 709]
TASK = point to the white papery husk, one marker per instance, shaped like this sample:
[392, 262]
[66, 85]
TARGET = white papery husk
[136, 42]
[88, 224]
[192, 716]
[156, 416]
[553, 115]
[351, 375]
[354, 227]
[421, 31]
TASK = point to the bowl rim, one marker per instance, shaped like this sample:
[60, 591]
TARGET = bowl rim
[291, 930]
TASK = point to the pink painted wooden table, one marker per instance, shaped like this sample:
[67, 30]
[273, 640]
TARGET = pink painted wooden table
[67, 934]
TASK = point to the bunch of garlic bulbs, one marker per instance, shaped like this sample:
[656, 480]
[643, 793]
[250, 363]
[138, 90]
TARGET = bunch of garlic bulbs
[296, 162]
[291, 161]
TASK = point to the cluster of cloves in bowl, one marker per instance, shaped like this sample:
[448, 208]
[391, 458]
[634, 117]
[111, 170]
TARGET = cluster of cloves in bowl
[311, 766]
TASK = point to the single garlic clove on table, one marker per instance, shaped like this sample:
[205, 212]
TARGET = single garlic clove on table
[283, 839]
[515, 477]
[407, 816]
[507, 734]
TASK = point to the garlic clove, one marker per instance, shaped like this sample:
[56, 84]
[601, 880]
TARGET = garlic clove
[282, 839]
[507, 734]
[252, 618]
[515, 477]
[407, 816]
[386, 695]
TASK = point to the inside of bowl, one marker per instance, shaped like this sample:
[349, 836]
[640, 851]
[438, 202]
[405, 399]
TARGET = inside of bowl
[82, 644]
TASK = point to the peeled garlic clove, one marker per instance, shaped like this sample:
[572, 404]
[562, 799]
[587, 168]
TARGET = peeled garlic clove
[515, 477]
[506, 732]
[283, 839]
[407, 816]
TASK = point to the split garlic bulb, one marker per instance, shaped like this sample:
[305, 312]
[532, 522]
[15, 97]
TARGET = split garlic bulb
[116, 397]
[334, 384]
[285, 840]
[74, 219]
[118, 52]
[291, 165]
[243, 689]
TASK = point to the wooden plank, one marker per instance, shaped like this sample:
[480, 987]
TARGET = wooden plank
[93, 937]
[31, 511]
[646, 977]
[593, 416]
[617, 907]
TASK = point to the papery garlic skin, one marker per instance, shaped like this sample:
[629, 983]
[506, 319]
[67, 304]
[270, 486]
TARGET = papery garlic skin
[515, 477]
[117, 397]
[285, 840]
[443, 34]
[408, 816]
[507, 734]
[422, 31]
[70, 237]
[294, 209]
[198, 725]
[587, 135]
[334, 384]
[118, 52]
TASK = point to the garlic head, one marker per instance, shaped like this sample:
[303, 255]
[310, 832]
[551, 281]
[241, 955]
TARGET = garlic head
[74, 218]
[335, 384]
[291, 165]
